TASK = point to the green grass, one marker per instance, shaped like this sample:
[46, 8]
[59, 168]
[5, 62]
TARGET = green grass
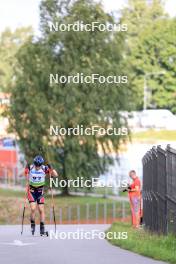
[152, 134]
[103, 190]
[10, 193]
[123, 194]
[61, 201]
[142, 242]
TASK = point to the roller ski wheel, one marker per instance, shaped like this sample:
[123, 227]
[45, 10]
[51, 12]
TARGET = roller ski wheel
[44, 234]
[42, 230]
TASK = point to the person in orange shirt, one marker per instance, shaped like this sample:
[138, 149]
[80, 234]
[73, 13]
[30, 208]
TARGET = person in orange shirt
[134, 193]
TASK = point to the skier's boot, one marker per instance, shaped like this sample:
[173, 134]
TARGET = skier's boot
[42, 229]
[32, 227]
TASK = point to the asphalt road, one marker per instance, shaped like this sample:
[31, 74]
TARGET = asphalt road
[25, 249]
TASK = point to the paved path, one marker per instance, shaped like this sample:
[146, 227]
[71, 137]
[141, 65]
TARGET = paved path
[17, 249]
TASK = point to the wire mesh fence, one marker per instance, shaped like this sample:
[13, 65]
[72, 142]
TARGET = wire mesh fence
[159, 185]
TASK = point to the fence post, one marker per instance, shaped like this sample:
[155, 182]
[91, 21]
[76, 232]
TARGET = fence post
[114, 211]
[87, 212]
[105, 212]
[6, 176]
[51, 215]
[123, 210]
[96, 212]
[69, 214]
[60, 216]
[78, 214]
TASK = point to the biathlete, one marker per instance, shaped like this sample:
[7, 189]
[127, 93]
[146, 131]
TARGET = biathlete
[36, 174]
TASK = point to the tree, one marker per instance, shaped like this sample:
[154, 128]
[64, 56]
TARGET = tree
[36, 104]
[10, 42]
[150, 48]
[140, 15]
[156, 53]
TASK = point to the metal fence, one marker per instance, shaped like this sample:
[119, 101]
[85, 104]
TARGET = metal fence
[159, 190]
[9, 175]
[86, 213]
[99, 213]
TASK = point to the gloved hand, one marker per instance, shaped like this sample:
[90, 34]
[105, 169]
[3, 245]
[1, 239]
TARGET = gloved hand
[49, 169]
[49, 166]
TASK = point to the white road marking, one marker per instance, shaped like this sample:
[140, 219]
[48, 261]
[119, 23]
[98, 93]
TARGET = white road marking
[18, 243]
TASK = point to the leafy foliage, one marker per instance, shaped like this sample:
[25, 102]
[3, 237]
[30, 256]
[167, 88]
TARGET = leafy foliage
[151, 49]
[10, 42]
[36, 105]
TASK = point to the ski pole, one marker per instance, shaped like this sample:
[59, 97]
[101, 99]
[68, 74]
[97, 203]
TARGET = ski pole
[24, 208]
[52, 204]
[22, 220]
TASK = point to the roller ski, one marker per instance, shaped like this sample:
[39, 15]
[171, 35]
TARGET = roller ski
[32, 227]
[42, 230]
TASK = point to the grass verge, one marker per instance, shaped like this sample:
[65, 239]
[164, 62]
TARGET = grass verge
[157, 135]
[158, 247]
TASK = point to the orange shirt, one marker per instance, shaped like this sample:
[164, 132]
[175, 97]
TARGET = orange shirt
[136, 183]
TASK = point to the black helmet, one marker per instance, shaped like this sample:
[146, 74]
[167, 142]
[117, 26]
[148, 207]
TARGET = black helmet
[38, 160]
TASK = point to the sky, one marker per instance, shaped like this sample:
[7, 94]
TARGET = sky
[17, 13]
